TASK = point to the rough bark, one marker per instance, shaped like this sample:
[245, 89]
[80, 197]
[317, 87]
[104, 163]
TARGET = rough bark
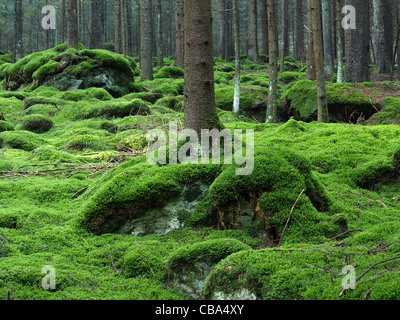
[146, 39]
[310, 74]
[299, 34]
[273, 62]
[95, 25]
[180, 34]
[160, 34]
[72, 23]
[265, 27]
[252, 48]
[383, 35]
[18, 44]
[357, 47]
[199, 96]
[327, 38]
[323, 115]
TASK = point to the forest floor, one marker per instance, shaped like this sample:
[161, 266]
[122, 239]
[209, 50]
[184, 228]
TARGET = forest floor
[327, 194]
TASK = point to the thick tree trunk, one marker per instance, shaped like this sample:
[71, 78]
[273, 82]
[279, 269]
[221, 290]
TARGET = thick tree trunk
[95, 25]
[180, 34]
[273, 62]
[199, 67]
[285, 32]
[118, 26]
[18, 44]
[299, 33]
[146, 39]
[310, 74]
[357, 45]
[252, 49]
[327, 38]
[63, 21]
[72, 23]
[323, 115]
[383, 35]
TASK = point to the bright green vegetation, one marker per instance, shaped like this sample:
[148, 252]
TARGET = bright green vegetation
[73, 171]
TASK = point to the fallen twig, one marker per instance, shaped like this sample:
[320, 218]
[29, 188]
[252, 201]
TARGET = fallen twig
[290, 216]
[342, 234]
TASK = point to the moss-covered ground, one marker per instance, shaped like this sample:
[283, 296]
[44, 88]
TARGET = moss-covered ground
[65, 156]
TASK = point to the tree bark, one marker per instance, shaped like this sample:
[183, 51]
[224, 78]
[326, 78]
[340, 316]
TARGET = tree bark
[357, 47]
[146, 39]
[299, 33]
[265, 27]
[252, 49]
[72, 23]
[327, 38]
[199, 96]
[160, 34]
[383, 35]
[18, 43]
[180, 34]
[273, 62]
[95, 25]
[323, 114]
[310, 74]
[340, 41]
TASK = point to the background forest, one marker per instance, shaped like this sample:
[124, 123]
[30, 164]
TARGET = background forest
[84, 215]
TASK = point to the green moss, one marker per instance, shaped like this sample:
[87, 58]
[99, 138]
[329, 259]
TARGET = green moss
[250, 96]
[36, 123]
[24, 140]
[6, 126]
[169, 72]
[45, 70]
[109, 59]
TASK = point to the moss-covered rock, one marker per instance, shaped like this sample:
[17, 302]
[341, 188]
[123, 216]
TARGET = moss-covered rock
[6, 126]
[71, 69]
[23, 140]
[188, 267]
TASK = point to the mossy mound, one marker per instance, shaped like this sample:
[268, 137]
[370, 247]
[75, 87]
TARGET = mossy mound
[70, 69]
[252, 101]
[23, 140]
[36, 123]
[258, 203]
[188, 267]
[169, 72]
[6, 126]
[346, 102]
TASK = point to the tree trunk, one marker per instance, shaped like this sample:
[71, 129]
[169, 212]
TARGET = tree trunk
[222, 28]
[63, 21]
[146, 38]
[160, 35]
[265, 27]
[310, 75]
[340, 41]
[327, 38]
[72, 23]
[118, 26]
[252, 49]
[285, 32]
[18, 44]
[180, 34]
[323, 115]
[299, 34]
[199, 96]
[273, 62]
[383, 35]
[95, 25]
[357, 45]
[236, 98]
